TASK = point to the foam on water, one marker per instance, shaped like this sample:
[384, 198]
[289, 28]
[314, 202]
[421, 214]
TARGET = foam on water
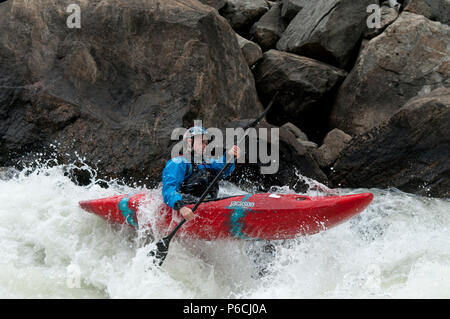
[50, 248]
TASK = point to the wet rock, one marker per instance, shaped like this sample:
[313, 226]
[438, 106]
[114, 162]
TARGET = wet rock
[114, 91]
[333, 144]
[304, 86]
[411, 151]
[267, 31]
[251, 51]
[409, 58]
[327, 30]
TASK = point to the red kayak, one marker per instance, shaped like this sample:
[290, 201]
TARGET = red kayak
[253, 216]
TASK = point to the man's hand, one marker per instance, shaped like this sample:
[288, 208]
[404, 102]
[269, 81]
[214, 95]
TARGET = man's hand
[235, 151]
[187, 213]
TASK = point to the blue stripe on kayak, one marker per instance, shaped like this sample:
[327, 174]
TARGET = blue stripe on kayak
[236, 216]
[127, 212]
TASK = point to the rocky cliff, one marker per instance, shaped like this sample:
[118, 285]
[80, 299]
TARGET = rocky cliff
[358, 106]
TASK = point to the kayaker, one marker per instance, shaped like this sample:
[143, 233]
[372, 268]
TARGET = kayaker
[185, 178]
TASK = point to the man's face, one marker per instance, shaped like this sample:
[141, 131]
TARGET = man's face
[199, 143]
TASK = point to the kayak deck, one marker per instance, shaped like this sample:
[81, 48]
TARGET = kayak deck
[253, 216]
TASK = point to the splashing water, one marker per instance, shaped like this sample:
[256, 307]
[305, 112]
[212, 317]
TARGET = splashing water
[50, 248]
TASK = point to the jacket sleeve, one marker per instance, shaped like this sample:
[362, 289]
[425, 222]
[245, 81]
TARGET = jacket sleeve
[172, 178]
[218, 164]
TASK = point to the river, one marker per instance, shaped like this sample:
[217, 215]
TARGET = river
[399, 247]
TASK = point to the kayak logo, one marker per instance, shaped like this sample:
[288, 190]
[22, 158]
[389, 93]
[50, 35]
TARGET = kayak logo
[257, 146]
[239, 204]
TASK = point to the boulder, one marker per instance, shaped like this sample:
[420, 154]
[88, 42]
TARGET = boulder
[267, 31]
[251, 51]
[327, 30]
[436, 10]
[115, 89]
[302, 162]
[295, 130]
[304, 86]
[410, 152]
[216, 4]
[410, 57]
[294, 162]
[241, 14]
[310, 146]
[333, 144]
[301, 137]
[290, 9]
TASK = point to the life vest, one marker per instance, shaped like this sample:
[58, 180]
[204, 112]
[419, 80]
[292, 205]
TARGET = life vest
[200, 178]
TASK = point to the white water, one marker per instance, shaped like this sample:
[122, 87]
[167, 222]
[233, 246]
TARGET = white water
[399, 247]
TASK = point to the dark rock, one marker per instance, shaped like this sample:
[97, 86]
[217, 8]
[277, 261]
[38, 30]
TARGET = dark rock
[290, 9]
[294, 162]
[436, 10]
[241, 14]
[333, 144]
[327, 30]
[411, 151]
[304, 86]
[409, 58]
[114, 90]
[251, 51]
[301, 161]
[216, 4]
[295, 130]
[310, 146]
[267, 31]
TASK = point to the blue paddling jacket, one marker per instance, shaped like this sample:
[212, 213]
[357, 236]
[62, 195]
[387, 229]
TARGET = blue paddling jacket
[178, 169]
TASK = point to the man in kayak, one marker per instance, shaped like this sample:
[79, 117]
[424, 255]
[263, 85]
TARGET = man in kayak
[185, 178]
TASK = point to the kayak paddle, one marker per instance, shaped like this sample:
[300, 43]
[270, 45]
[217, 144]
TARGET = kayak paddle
[162, 246]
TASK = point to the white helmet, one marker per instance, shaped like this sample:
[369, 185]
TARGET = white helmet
[195, 130]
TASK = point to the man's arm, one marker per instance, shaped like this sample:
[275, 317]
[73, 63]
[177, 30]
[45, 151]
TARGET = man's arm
[218, 164]
[173, 176]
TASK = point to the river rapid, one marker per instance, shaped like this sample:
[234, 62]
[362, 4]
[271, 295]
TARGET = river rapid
[399, 247]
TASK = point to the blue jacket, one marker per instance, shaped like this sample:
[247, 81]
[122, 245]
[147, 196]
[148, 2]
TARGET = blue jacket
[178, 169]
